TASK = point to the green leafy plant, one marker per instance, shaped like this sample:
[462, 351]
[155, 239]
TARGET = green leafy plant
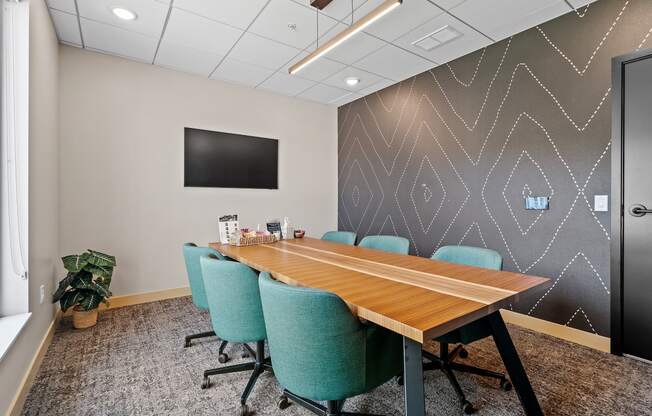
[87, 283]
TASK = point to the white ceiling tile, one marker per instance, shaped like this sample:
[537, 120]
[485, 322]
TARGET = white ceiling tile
[262, 52]
[66, 26]
[324, 94]
[346, 99]
[394, 63]
[337, 9]
[186, 59]
[118, 41]
[383, 83]
[447, 4]
[274, 20]
[399, 21]
[150, 14]
[237, 13]
[355, 48]
[469, 41]
[580, 3]
[200, 33]
[286, 84]
[332, 32]
[500, 19]
[366, 79]
[317, 71]
[67, 6]
[232, 70]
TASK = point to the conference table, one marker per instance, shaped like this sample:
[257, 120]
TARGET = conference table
[415, 297]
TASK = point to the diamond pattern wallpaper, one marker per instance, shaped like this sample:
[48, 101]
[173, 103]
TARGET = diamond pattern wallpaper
[448, 156]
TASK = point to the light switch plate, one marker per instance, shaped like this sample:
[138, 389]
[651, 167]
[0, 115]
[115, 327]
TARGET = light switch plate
[601, 203]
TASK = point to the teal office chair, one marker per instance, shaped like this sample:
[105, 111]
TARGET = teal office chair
[389, 243]
[343, 237]
[469, 256]
[191, 255]
[320, 351]
[237, 315]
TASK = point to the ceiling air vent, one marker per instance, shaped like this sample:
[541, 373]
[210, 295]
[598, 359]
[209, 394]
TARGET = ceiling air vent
[437, 38]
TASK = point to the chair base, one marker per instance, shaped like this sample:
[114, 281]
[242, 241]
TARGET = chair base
[189, 338]
[259, 366]
[446, 364]
[332, 408]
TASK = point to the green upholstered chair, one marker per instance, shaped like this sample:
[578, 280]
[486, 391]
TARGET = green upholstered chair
[477, 257]
[389, 243]
[237, 315]
[320, 351]
[191, 255]
[343, 237]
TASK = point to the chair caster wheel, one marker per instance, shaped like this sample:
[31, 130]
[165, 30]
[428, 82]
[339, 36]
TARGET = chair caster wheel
[186, 343]
[222, 358]
[463, 353]
[399, 380]
[206, 383]
[468, 408]
[244, 410]
[505, 384]
[283, 403]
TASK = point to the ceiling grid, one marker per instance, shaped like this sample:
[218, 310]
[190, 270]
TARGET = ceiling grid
[248, 43]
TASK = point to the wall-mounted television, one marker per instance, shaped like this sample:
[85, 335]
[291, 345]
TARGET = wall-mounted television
[227, 160]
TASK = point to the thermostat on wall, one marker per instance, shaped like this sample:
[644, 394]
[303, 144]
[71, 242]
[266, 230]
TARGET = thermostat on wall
[537, 202]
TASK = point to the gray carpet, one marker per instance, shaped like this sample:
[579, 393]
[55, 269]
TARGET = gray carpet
[133, 363]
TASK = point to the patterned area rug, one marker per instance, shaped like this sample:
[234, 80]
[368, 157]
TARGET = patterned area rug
[133, 363]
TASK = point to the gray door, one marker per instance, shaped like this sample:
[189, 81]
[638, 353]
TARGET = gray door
[637, 231]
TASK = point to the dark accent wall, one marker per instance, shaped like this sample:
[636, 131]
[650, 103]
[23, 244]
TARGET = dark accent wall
[447, 156]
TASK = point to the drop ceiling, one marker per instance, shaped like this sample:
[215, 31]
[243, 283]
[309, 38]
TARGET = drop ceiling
[254, 42]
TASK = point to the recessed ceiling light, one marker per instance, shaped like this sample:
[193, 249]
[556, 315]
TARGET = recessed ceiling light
[124, 14]
[352, 81]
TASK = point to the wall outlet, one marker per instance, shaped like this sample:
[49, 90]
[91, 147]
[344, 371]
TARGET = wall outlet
[42, 294]
[601, 203]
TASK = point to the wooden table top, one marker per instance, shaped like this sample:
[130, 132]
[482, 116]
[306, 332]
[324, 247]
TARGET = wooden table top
[413, 296]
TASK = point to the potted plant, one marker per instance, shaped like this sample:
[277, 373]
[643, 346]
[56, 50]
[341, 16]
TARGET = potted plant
[85, 286]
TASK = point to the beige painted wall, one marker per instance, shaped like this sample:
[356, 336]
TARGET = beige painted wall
[43, 196]
[122, 163]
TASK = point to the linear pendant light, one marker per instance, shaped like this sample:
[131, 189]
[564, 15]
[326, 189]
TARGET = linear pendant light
[361, 24]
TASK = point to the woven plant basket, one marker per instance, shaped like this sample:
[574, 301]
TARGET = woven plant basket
[82, 319]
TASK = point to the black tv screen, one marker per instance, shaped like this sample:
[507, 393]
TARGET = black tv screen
[227, 160]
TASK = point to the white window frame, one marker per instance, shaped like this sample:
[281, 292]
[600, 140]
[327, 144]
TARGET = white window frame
[14, 169]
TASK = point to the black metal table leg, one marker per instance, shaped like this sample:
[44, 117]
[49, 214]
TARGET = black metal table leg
[514, 366]
[413, 378]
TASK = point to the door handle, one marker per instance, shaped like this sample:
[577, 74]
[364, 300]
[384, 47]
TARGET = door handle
[638, 210]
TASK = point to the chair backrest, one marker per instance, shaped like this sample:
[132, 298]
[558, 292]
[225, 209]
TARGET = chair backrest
[233, 300]
[317, 346]
[470, 256]
[343, 237]
[191, 255]
[389, 243]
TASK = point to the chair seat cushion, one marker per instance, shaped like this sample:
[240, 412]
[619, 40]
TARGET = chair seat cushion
[468, 333]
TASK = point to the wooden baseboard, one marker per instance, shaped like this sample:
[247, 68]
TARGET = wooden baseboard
[16, 406]
[138, 298]
[567, 333]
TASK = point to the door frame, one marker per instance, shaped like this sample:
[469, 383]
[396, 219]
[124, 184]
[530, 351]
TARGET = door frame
[617, 208]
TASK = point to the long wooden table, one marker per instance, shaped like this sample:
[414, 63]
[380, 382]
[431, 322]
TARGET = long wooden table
[416, 297]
